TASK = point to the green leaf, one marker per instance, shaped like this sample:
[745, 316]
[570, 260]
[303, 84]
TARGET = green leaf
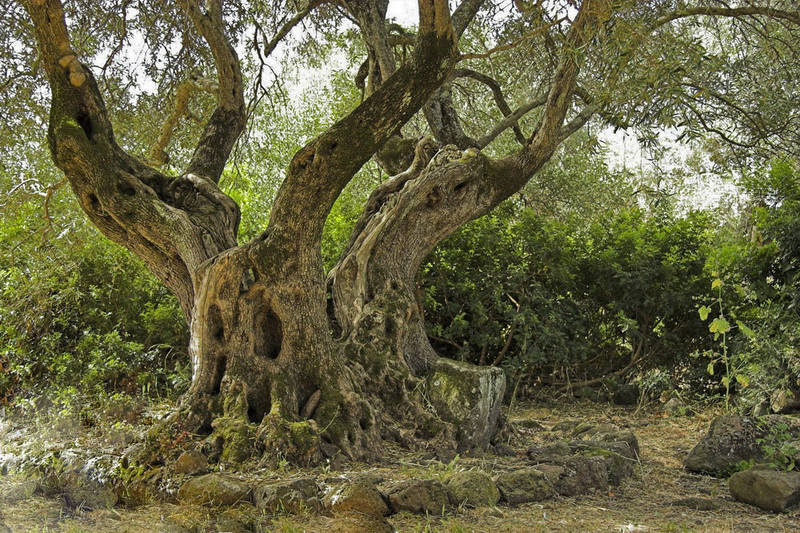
[726, 380]
[716, 283]
[710, 368]
[703, 311]
[744, 381]
[719, 325]
[749, 333]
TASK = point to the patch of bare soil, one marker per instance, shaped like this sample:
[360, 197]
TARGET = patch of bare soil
[660, 497]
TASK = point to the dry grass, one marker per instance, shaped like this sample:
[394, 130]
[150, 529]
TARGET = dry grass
[643, 503]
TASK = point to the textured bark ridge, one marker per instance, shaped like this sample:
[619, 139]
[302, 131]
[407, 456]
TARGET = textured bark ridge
[374, 292]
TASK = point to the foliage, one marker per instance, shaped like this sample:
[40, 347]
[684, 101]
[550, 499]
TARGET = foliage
[779, 447]
[543, 295]
[84, 313]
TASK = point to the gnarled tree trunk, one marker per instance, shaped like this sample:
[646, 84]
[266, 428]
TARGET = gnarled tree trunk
[275, 368]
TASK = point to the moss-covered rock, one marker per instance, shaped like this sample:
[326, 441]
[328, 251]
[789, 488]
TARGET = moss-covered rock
[616, 455]
[81, 488]
[292, 496]
[356, 497]
[576, 475]
[469, 397]
[732, 439]
[473, 488]
[525, 485]
[419, 496]
[214, 489]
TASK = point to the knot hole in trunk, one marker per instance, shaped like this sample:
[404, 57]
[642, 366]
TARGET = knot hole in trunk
[268, 333]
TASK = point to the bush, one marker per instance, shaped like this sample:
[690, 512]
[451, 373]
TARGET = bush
[542, 296]
[87, 315]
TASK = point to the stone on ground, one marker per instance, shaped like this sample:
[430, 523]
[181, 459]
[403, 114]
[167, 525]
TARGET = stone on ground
[767, 489]
[293, 496]
[732, 439]
[784, 401]
[626, 395]
[191, 462]
[81, 489]
[697, 503]
[473, 488]
[469, 397]
[525, 485]
[214, 489]
[419, 496]
[356, 497]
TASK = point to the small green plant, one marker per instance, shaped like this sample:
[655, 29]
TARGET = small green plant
[779, 447]
[720, 327]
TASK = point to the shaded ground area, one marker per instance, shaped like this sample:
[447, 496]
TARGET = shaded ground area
[660, 496]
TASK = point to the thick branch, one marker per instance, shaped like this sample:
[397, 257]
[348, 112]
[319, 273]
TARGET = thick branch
[320, 170]
[464, 14]
[228, 119]
[173, 224]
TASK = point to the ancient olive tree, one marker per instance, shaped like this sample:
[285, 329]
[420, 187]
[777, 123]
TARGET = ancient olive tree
[291, 359]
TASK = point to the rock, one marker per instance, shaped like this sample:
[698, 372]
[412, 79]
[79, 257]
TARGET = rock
[81, 488]
[214, 489]
[675, 407]
[784, 401]
[473, 488]
[576, 475]
[525, 485]
[581, 428]
[551, 452]
[191, 462]
[121, 436]
[588, 393]
[419, 496]
[504, 450]
[626, 395]
[698, 504]
[626, 436]
[469, 397]
[767, 489]
[618, 456]
[732, 439]
[293, 496]
[761, 408]
[356, 497]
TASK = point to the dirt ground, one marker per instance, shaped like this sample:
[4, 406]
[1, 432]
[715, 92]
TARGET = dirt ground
[648, 502]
